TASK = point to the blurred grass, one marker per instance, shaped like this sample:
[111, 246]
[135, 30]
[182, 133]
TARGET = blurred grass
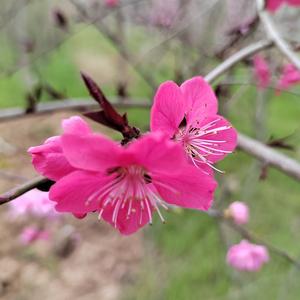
[185, 259]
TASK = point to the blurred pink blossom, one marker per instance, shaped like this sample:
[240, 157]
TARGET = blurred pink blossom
[290, 76]
[112, 3]
[261, 71]
[247, 257]
[31, 234]
[273, 5]
[239, 212]
[35, 203]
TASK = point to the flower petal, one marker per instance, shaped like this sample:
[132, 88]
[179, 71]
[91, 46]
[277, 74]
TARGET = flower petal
[72, 192]
[199, 99]
[191, 189]
[168, 109]
[92, 152]
[157, 153]
[76, 125]
[228, 136]
[49, 160]
[126, 224]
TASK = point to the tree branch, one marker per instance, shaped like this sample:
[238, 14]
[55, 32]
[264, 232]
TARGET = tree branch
[269, 156]
[22, 189]
[245, 233]
[236, 58]
[274, 35]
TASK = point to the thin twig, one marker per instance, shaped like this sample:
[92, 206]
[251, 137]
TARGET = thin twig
[247, 234]
[22, 189]
[236, 58]
[68, 104]
[274, 35]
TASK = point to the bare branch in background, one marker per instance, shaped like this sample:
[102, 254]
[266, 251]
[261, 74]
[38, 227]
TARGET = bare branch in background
[274, 35]
[236, 58]
[247, 234]
[269, 156]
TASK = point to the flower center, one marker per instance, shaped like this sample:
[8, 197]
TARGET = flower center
[199, 141]
[130, 188]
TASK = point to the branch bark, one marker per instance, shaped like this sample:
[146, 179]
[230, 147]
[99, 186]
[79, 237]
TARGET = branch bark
[269, 156]
[274, 35]
[22, 189]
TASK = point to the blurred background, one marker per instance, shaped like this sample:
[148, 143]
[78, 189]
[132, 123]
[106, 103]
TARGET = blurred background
[129, 47]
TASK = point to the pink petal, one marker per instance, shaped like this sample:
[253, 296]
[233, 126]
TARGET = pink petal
[75, 125]
[92, 152]
[293, 2]
[199, 98]
[190, 189]
[261, 71]
[72, 192]
[127, 225]
[157, 153]
[168, 109]
[273, 5]
[49, 160]
[228, 135]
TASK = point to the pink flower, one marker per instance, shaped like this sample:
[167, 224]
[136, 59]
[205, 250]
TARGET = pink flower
[112, 3]
[188, 115]
[31, 234]
[126, 184]
[48, 159]
[273, 5]
[247, 257]
[261, 71]
[35, 203]
[290, 76]
[239, 212]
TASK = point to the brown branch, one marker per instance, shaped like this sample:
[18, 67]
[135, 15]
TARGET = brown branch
[22, 189]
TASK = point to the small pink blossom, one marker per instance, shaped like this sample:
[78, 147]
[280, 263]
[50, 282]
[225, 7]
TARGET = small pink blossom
[274, 5]
[247, 257]
[239, 212]
[35, 203]
[290, 76]
[48, 158]
[188, 115]
[126, 184]
[111, 3]
[31, 234]
[261, 71]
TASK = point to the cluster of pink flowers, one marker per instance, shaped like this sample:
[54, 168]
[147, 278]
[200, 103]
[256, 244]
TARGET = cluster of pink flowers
[289, 77]
[244, 256]
[171, 165]
[274, 5]
[34, 203]
[31, 234]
